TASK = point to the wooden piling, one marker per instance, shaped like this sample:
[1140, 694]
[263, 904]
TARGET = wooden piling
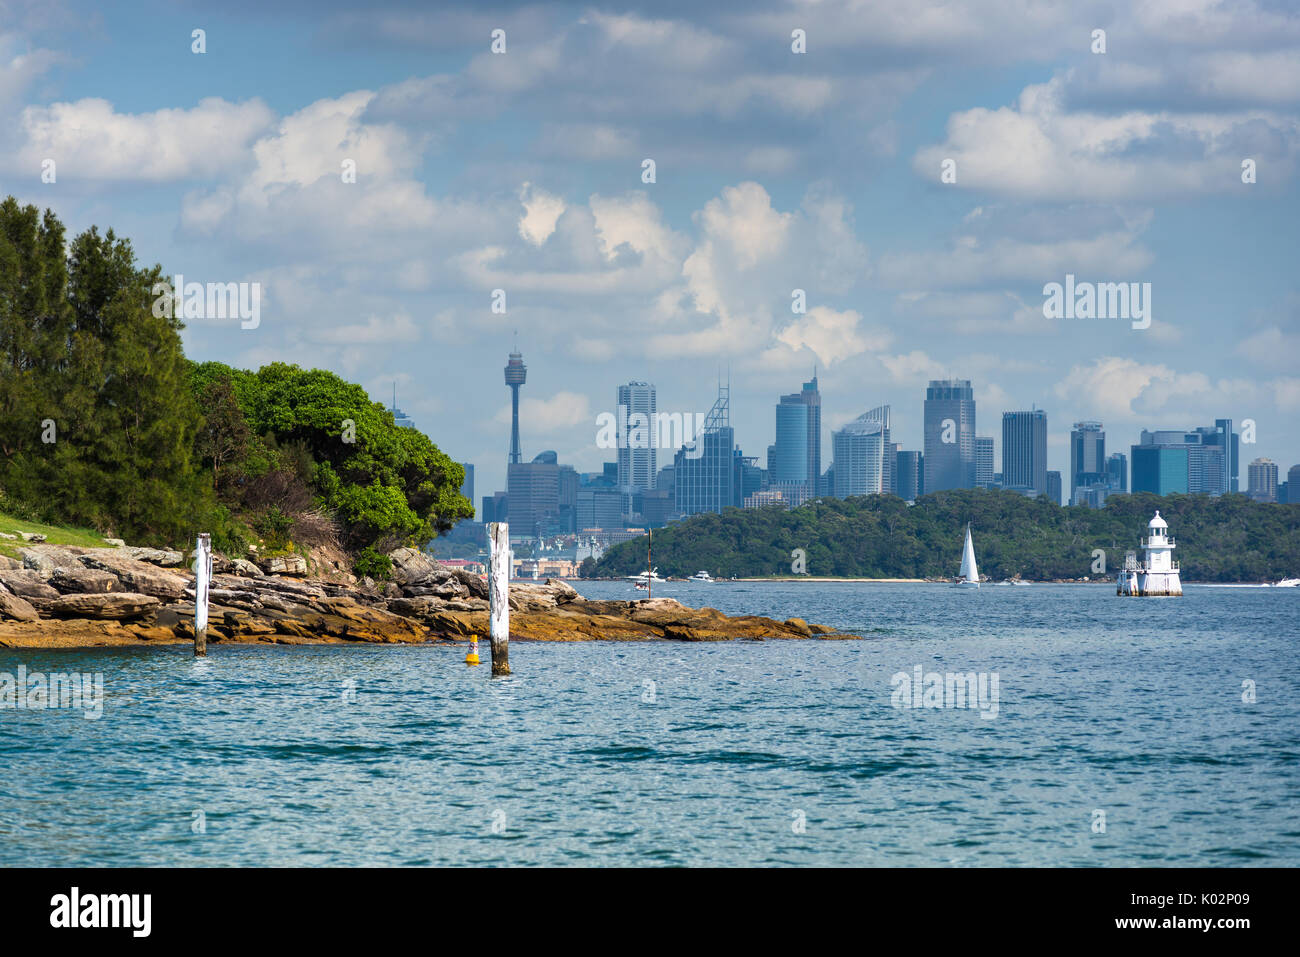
[202, 578]
[499, 595]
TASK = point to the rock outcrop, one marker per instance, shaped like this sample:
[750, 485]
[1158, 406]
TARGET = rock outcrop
[73, 596]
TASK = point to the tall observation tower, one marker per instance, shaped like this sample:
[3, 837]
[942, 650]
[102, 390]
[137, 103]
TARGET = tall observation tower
[516, 372]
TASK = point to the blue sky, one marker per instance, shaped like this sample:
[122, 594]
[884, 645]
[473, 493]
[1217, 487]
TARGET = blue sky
[775, 171]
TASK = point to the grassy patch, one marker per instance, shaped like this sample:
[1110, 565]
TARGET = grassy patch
[54, 535]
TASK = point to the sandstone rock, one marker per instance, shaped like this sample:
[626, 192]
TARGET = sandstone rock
[7, 535]
[138, 576]
[155, 633]
[476, 586]
[83, 580]
[285, 565]
[799, 625]
[355, 622]
[243, 625]
[7, 562]
[563, 625]
[468, 604]
[531, 597]
[14, 608]
[451, 588]
[32, 537]
[81, 633]
[27, 583]
[305, 590]
[118, 606]
[154, 556]
[115, 542]
[245, 568]
[44, 559]
[413, 567]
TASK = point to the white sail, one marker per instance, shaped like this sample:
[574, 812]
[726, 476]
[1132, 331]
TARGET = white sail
[969, 571]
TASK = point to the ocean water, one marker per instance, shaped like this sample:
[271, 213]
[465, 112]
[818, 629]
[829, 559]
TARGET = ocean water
[1121, 738]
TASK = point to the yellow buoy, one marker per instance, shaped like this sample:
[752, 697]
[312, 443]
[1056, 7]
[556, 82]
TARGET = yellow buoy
[472, 657]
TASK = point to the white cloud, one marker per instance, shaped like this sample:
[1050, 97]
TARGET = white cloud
[541, 212]
[376, 330]
[1041, 149]
[1272, 348]
[89, 140]
[831, 336]
[563, 410]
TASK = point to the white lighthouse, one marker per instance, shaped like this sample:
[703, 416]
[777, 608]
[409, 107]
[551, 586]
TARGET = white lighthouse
[1157, 573]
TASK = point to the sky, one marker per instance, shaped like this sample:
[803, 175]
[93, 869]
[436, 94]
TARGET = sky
[1113, 157]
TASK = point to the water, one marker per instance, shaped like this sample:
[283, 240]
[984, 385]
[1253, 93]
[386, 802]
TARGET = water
[1132, 707]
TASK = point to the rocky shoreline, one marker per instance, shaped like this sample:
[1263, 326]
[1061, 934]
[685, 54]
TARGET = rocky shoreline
[57, 596]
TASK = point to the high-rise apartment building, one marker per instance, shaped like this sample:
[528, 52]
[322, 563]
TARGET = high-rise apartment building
[1262, 480]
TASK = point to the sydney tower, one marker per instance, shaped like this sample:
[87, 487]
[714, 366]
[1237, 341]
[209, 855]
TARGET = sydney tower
[516, 372]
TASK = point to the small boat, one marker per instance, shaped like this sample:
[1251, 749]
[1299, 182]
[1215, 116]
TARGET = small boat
[701, 576]
[969, 576]
[1289, 583]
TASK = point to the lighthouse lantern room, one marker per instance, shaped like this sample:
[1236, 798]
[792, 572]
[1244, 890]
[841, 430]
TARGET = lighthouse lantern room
[1157, 573]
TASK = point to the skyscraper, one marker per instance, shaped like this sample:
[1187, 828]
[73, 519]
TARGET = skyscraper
[1087, 457]
[1230, 441]
[637, 456]
[705, 475]
[861, 452]
[949, 435]
[1024, 451]
[910, 475]
[533, 490]
[984, 461]
[1161, 469]
[1054, 487]
[798, 445]
[1204, 456]
[516, 372]
[1261, 478]
[1117, 472]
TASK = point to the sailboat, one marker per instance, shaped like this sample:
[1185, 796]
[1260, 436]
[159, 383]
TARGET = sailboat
[969, 577]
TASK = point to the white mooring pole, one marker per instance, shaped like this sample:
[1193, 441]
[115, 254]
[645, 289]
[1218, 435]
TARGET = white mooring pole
[499, 595]
[202, 577]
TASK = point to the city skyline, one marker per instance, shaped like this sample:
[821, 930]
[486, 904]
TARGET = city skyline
[713, 472]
